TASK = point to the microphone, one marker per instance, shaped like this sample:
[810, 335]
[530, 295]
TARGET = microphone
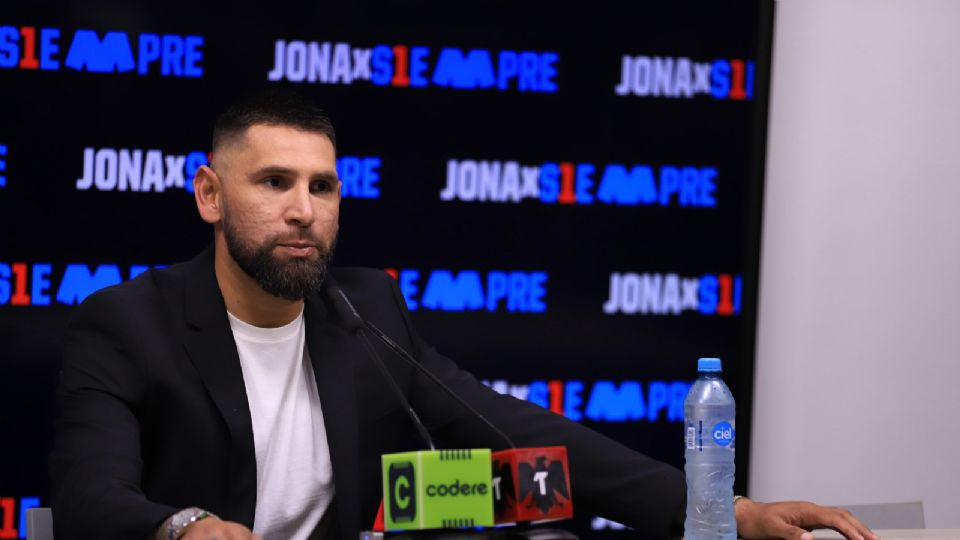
[526, 484]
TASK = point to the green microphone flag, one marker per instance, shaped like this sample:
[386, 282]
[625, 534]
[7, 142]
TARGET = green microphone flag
[437, 489]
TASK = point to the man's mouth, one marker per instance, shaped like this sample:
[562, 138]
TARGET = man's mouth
[299, 248]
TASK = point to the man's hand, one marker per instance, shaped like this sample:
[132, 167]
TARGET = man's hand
[793, 520]
[213, 528]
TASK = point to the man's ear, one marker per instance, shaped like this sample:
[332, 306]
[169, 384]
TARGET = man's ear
[208, 192]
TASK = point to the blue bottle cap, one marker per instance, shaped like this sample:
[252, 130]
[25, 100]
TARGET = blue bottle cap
[708, 365]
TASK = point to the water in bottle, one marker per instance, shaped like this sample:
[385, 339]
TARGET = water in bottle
[710, 442]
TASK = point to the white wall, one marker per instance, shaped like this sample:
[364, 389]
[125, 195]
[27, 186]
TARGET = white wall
[858, 361]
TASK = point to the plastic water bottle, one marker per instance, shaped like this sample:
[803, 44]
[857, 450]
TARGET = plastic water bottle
[709, 413]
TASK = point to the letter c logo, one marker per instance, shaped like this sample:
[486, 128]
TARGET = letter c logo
[400, 491]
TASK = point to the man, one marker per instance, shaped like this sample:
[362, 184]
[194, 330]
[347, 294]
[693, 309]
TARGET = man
[224, 398]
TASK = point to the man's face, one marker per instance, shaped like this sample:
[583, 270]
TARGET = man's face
[281, 204]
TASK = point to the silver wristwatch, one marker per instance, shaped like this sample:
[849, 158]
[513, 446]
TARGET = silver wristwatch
[179, 521]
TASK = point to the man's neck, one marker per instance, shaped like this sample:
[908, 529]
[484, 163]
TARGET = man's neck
[245, 299]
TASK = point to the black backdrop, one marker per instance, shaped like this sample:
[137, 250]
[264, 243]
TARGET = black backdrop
[52, 113]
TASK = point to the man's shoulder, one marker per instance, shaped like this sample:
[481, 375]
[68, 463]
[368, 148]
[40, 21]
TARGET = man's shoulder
[154, 286]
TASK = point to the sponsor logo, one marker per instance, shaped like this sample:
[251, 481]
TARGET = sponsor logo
[673, 294]
[124, 169]
[542, 483]
[473, 290]
[36, 284]
[603, 400]
[151, 170]
[683, 78]
[403, 492]
[455, 489]
[581, 183]
[414, 67]
[167, 55]
[3, 165]
[723, 433]
[13, 523]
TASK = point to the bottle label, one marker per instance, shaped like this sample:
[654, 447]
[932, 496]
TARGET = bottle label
[723, 434]
[691, 438]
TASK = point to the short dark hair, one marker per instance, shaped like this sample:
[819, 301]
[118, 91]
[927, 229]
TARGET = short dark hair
[271, 107]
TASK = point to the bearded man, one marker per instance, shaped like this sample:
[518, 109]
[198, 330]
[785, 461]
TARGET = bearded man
[223, 398]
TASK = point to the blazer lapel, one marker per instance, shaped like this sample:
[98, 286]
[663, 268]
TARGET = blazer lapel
[210, 345]
[332, 353]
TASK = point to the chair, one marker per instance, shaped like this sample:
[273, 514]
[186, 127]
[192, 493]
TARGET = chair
[905, 515]
[39, 524]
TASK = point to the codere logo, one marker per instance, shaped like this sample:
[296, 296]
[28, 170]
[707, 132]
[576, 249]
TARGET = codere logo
[168, 55]
[13, 523]
[581, 183]
[672, 294]
[683, 78]
[403, 492]
[415, 67]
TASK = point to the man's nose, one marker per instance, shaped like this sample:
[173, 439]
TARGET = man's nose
[300, 206]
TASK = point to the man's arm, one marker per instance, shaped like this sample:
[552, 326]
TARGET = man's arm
[96, 462]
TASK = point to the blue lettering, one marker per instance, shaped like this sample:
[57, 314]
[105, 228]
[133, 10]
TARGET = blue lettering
[5, 273]
[359, 176]
[382, 63]
[137, 269]
[678, 394]
[548, 70]
[26, 503]
[9, 51]
[720, 79]
[195, 160]
[572, 400]
[496, 289]
[49, 47]
[612, 404]
[549, 182]
[708, 294]
[584, 183]
[539, 394]
[192, 57]
[538, 289]
[111, 54]
[475, 70]
[506, 69]
[408, 286]
[3, 165]
[444, 292]
[149, 52]
[171, 63]
[658, 400]
[737, 293]
[619, 187]
[669, 183]
[529, 69]
[41, 283]
[78, 283]
[418, 64]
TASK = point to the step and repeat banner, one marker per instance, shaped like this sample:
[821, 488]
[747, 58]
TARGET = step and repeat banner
[569, 199]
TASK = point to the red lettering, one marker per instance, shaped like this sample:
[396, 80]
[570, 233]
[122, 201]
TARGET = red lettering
[400, 75]
[20, 296]
[7, 507]
[556, 396]
[725, 306]
[567, 193]
[737, 80]
[29, 59]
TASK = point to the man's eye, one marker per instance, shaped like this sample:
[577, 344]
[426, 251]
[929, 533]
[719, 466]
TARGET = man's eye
[273, 181]
[320, 187]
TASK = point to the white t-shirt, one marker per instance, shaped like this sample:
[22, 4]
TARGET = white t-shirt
[294, 475]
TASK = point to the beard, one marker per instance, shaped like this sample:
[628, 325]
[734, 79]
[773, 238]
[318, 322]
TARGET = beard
[293, 279]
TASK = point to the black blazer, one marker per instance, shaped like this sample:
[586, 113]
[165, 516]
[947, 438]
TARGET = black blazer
[154, 415]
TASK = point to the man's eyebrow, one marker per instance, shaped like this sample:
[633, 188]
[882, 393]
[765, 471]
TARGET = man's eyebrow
[280, 170]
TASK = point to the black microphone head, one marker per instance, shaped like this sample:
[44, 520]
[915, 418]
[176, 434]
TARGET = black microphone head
[340, 305]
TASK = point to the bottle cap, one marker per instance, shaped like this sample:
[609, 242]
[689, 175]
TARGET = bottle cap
[708, 365]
